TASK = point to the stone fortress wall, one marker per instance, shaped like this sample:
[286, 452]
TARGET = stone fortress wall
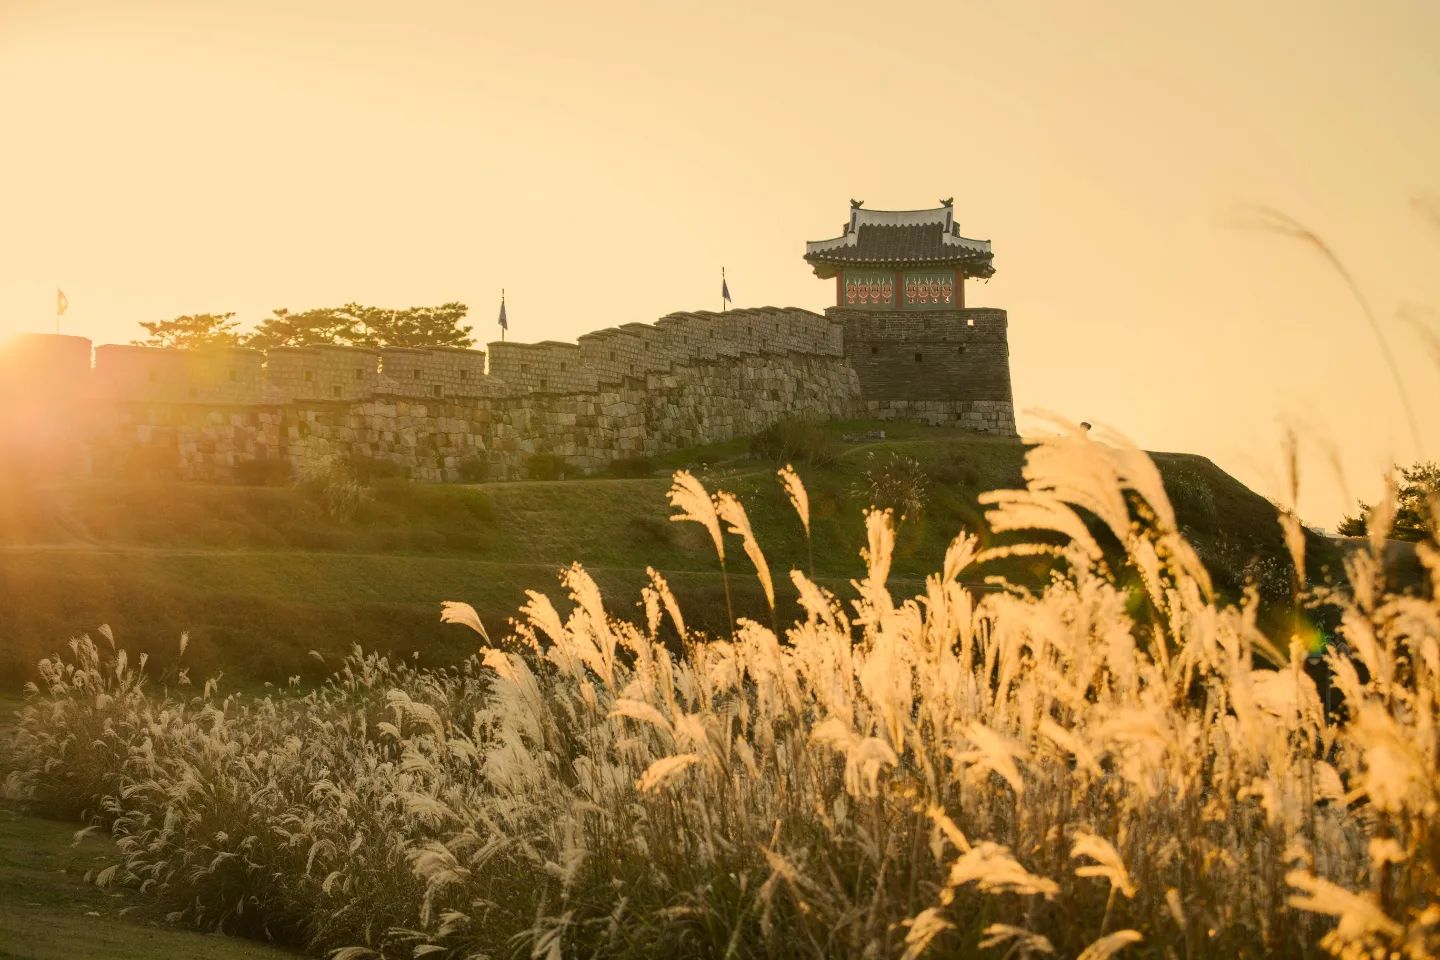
[935, 366]
[634, 390]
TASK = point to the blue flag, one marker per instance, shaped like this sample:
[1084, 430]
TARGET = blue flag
[725, 289]
[504, 324]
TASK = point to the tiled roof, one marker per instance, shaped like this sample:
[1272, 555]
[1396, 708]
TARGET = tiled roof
[902, 236]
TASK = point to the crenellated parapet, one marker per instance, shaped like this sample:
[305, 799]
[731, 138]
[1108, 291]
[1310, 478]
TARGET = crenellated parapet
[412, 372]
[334, 373]
[328, 372]
[638, 389]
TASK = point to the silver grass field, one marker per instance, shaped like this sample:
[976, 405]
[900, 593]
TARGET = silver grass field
[1085, 770]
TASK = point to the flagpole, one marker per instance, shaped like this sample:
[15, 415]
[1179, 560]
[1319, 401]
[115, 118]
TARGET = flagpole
[722, 289]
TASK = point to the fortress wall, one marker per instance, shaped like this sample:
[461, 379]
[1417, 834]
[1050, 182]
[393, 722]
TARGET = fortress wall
[545, 367]
[611, 355]
[933, 366]
[45, 400]
[216, 374]
[322, 373]
[432, 373]
[225, 375]
[653, 352]
[688, 405]
[634, 390]
[289, 372]
[682, 335]
[44, 365]
[125, 372]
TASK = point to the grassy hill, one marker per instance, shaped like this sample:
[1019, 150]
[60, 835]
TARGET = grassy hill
[259, 576]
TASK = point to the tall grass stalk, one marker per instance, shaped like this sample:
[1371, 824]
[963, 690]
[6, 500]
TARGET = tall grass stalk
[1079, 770]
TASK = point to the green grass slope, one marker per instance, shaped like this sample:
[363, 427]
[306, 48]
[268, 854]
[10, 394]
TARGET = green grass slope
[261, 576]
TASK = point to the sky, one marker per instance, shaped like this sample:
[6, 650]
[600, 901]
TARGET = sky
[602, 162]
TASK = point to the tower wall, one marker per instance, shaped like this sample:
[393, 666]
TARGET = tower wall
[44, 363]
[939, 366]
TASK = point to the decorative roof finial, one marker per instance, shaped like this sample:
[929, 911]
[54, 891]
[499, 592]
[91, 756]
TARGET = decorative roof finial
[856, 204]
[948, 202]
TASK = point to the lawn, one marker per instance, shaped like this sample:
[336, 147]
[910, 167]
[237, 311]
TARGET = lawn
[260, 576]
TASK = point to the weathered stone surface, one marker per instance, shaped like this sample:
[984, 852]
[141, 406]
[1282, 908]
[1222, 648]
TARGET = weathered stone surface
[636, 390]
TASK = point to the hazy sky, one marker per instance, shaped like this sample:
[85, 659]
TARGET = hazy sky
[602, 161]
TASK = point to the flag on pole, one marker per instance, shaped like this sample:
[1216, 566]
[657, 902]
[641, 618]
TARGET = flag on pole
[60, 302]
[724, 290]
[504, 323]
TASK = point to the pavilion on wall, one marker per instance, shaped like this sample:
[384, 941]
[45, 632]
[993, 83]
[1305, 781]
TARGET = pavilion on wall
[901, 259]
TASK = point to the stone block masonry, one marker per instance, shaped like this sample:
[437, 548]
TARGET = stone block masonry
[629, 391]
[939, 367]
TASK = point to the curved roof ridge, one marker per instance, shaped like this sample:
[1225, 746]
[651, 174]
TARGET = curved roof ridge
[927, 236]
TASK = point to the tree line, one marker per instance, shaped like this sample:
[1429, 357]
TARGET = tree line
[351, 325]
[1417, 496]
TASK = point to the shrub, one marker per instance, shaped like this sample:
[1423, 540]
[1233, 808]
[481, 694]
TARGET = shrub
[262, 472]
[368, 470]
[630, 467]
[546, 466]
[1193, 500]
[474, 469]
[893, 482]
[955, 470]
[795, 441]
[331, 484]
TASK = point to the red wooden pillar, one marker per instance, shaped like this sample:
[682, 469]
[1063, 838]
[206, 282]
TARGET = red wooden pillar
[840, 288]
[960, 287]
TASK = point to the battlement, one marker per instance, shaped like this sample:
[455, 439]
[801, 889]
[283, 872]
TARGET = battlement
[410, 372]
[237, 375]
[326, 372]
[690, 378]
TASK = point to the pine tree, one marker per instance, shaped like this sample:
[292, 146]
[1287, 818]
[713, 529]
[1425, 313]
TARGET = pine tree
[191, 330]
[1416, 498]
